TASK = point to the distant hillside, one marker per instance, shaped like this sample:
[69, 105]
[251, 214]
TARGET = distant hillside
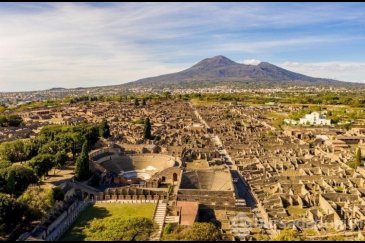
[58, 89]
[220, 70]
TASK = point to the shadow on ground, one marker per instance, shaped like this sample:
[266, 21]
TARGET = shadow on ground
[75, 233]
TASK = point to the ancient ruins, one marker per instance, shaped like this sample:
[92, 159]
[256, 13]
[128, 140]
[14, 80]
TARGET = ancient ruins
[229, 159]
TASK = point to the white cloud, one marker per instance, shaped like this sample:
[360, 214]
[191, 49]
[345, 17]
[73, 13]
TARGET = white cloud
[251, 62]
[74, 44]
[344, 71]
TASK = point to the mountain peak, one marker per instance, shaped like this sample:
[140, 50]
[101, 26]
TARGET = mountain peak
[215, 61]
[221, 58]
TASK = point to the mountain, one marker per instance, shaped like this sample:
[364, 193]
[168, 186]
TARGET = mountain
[220, 70]
[58, 89]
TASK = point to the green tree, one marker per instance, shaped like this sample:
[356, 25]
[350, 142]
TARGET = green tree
[39, 201]
[358, 156]
[50, 147]
[16, 179]
[82, 170]
[147, 129]
[10, 121]
[58, 194]
[4, 164]
[11, 213]
[91, 135]
[168, 229]
[15, 121]
[196, 232]
[69, 138]
[60, 160]
[104, 129]
[76, 142]
[19, 150]
[143, 102]
[202, 232]
[166, 95]
[3, 121]
[85, 152]
[10, 183]
[136, 102]
[335, 119]
[31, 148]
[42, 164]
[13, 151]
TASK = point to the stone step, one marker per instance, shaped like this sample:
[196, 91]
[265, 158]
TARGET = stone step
[172, 219]
[159, 218]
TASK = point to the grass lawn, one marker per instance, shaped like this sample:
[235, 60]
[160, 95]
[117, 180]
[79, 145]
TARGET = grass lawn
[106, 210]
[277, 118]
[199, 102]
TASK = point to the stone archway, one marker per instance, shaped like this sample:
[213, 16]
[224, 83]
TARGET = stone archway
[163, 179]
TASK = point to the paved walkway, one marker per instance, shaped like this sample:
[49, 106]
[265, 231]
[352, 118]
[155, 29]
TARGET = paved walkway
[58, 176]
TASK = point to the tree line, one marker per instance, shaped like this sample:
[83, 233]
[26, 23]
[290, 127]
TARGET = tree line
[10, 121]
[24, 162]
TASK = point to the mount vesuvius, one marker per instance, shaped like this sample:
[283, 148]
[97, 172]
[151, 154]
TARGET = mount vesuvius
[220, 70]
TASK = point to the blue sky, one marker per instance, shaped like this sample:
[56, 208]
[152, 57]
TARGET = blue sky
[45, 45]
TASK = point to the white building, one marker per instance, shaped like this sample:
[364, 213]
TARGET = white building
[315, 118]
